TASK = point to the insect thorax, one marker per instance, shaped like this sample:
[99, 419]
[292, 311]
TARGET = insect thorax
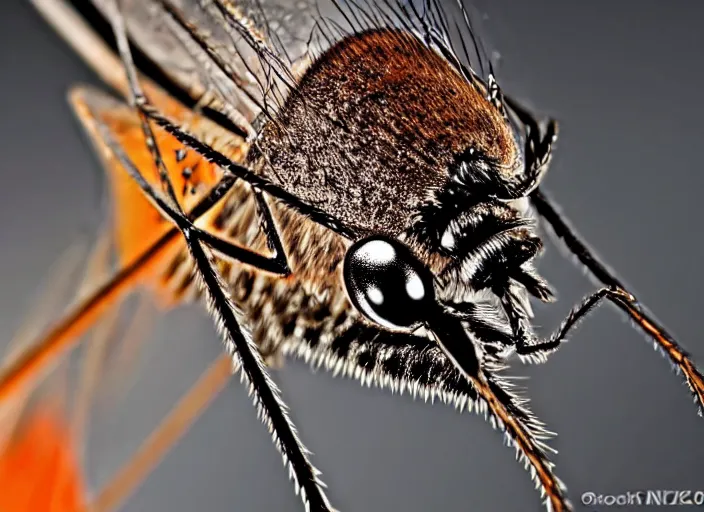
[380, 133]
[374, 127]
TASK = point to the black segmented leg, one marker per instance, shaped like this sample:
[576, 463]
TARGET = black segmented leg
[619, 293]
[530, 350]
[257, 181]
[625, 300]
[537, 352]
[276, 264]
[239, 345]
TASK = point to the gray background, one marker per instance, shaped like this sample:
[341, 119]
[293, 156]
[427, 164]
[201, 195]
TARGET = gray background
[626, 80]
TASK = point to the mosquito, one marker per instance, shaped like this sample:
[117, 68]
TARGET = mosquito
[351, 188]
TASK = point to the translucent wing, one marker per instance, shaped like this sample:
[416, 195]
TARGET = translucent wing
[243, 57]
[60, 422]
[98, 406]
[237, 57]
[58, 449]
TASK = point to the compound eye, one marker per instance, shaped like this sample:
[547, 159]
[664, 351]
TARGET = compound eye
[387, 283]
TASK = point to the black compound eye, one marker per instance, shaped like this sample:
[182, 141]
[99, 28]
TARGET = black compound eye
[387, 283]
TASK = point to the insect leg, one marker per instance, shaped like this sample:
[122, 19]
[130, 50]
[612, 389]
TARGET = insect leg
[625, 300]
[137, 98]
[238, 343]
[538, 352]
[528, 349]
[620, 295]
[242, 172]
[274, 264]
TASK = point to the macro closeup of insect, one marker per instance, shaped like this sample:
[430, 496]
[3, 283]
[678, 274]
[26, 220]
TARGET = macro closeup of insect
[346, 184]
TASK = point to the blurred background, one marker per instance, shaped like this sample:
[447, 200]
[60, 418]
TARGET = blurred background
[625, 79]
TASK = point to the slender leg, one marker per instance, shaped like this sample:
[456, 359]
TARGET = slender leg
[276, 264]
[625, 300]
[257, 181]
[238, 343]
[618, 293]
[538, 352]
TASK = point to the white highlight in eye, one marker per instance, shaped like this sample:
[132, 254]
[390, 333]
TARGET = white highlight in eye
[375, 295]
[448, 240]
[415, 288]
[378, 251]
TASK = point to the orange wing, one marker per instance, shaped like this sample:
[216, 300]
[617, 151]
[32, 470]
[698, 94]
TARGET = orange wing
[39, 470]
[40, 466]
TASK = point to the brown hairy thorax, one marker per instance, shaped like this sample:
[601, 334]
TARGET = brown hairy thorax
[368, 135]
[374, 126]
